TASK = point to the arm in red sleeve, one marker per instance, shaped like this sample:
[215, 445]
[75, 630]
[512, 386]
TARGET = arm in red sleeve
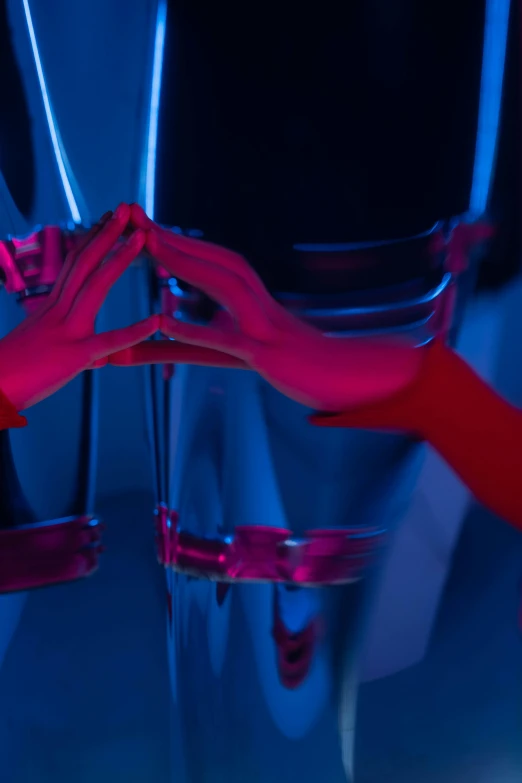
[477, 432]
[9, 416]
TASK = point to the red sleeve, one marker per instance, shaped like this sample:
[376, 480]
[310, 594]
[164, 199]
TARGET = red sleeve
[477, 432]
[9, 416]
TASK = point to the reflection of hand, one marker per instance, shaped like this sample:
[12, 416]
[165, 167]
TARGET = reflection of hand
[57, 341]
[329, 373]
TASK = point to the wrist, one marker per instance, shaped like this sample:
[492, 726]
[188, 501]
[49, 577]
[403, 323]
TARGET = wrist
[379, 371]
[395, 398]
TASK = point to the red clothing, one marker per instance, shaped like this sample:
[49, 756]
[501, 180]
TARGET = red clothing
[9, 416]
[476, 432]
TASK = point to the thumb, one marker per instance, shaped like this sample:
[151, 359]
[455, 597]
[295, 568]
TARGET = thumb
[173, 352]
[102, 345]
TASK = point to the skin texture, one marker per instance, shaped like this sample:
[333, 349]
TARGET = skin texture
[257, 333]
[429, 393]
[58, 341]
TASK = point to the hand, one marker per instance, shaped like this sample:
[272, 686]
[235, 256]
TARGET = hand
[326, 373]
[57, 341]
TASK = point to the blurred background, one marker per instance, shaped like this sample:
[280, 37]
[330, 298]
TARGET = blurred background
[223, 119]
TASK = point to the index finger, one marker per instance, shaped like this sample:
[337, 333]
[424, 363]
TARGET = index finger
[206, 251]
[93, 254]
[221, 285]
[72, 255]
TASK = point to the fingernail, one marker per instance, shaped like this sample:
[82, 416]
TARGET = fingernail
[102, 221]
[120, 211]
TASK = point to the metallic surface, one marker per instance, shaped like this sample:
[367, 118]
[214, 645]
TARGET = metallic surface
[39, 555]
[264, 662]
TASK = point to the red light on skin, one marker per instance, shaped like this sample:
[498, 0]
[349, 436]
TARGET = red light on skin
[33, 303]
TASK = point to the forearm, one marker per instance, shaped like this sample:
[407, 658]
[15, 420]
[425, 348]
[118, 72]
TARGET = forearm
[477, 432]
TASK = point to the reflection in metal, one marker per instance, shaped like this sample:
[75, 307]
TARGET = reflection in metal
[154, 291]
[59, 150]
[47, 553]
[493, 63]
[275, 703]
[31, 264]
[263, 648]
[260, 553]
[155, 92]
[36, 553]
[343, 247]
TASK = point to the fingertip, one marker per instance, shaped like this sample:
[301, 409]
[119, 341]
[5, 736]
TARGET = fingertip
[138, 214]
[122, 213]
[137, 238]
[164, 321]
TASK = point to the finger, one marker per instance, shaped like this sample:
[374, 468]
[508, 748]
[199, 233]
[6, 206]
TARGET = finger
[220, 284]
[227, 259]
[70, 259]
[93, 232]
[103, 362]
[102, 345]
[173, 352]
[98, 285]
[140, 219]
[206, 251]
[206, 337]
[93, 255]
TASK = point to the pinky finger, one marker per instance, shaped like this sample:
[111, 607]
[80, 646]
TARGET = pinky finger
[102, 345]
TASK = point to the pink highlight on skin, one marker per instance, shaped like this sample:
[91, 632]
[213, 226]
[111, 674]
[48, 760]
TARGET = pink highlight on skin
[73, 275]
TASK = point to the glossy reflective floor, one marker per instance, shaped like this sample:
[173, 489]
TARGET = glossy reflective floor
[84, 686]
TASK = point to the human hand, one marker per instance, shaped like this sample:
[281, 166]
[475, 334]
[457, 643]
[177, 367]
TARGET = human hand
[319, 371]
[57, 341]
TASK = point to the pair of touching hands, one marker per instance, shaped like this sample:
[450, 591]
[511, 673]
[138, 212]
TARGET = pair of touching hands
[58, 341]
